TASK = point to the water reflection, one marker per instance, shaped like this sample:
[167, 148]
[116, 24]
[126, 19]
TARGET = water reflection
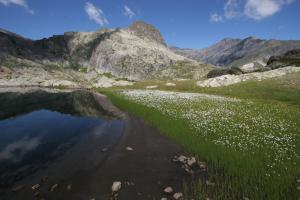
[15, 150]
[38, 127]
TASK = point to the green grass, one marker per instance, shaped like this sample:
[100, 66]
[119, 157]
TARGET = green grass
[270, 107]
[283, 89]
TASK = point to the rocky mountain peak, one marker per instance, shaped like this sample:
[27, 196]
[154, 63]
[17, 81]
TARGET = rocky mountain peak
[148, 31]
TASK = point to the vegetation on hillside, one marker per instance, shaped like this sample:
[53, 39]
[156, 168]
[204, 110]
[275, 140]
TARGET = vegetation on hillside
[250, 140]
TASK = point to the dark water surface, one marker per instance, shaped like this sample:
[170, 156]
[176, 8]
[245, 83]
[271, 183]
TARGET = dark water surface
[73, 149]
[39, 128]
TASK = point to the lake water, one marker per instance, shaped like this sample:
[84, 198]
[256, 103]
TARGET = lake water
[39, 128]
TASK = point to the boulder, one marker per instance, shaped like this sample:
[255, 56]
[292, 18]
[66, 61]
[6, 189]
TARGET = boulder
[116, 186]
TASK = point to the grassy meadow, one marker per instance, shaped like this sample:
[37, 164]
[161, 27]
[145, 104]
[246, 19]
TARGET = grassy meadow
[248, 133]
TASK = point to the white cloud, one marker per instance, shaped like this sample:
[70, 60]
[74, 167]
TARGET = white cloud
[95, 14]
[16, 150]
[216, 18]
[253, 9]
[128, 12]
[231, 9]
[22, 3]
[260, 9]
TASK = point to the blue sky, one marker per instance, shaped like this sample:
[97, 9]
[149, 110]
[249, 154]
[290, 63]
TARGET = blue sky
[183, 23]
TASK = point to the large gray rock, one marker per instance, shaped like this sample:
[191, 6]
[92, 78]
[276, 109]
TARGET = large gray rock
[258, 76]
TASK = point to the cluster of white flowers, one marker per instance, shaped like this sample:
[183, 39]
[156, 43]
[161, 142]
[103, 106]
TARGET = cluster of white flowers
[243, 125]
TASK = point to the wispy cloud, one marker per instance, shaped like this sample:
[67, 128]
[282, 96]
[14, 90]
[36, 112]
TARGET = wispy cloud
[22, 3]
[95, 14]
[216, 17]
[16, 150]
[128, 12]
[260, 9]
[252, 9]
[231, 9]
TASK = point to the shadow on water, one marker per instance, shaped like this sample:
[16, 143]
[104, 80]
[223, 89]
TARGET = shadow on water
[39, 128]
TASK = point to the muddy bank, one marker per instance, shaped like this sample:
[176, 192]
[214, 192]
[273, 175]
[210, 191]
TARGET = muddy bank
[90, 164]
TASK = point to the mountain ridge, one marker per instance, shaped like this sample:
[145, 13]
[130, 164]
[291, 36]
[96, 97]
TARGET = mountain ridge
[137, 52]
[237, 52]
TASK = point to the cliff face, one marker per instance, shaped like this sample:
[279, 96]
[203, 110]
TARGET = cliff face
[136, 52]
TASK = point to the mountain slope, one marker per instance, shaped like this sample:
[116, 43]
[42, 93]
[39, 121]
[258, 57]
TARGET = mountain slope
[236, 52]
[135, 53]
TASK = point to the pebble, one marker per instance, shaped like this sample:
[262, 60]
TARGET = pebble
[116, 186]
[54, 187]
[182, 158]
[191, 161]
[129, 149]
[36, 186]
[168, 190]
[129, 183]
[69, 187]
[178, 195]
[17, 188]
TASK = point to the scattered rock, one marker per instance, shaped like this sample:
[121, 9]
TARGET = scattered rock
[191, 161]
[171, 84]
[151, 86]
[53, 187]
[69, 187]
[168, 190]
[182, 159]
[104, 150]
[129, 148]
[178, 195]
[233, 79]
[116, 186]
[36, 186]
[164, 198]
[129, 183]
[17, 188]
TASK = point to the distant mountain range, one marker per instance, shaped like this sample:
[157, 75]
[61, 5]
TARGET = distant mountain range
[238, 52]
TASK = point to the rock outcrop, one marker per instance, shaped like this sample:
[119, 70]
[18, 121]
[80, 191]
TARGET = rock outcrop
[258, 76]
[133, 53]
[290, 58]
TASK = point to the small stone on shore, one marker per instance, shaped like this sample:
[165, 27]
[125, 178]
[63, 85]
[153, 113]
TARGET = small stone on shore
[17, 188]
[36, 186]
[116, 186]
[168, 190]
[129, 148]
[53, 187]
[69, 187]
[178, 195]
